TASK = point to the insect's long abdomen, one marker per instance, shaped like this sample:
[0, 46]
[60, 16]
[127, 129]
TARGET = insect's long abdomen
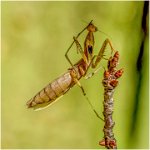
[51, 92]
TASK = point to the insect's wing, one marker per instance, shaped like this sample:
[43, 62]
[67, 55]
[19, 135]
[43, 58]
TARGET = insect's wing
[45, 105]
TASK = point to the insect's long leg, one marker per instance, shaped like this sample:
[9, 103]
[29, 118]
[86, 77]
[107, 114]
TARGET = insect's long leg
[74, 77]
[66, 54]
[78, 83]
[101, 52]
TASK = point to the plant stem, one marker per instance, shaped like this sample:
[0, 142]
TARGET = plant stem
[110, 82]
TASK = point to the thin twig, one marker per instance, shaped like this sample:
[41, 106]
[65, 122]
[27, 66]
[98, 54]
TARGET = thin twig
[110, 82]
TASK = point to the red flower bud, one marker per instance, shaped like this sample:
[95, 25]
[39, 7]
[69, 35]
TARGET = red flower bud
[106, 74]
[114, 83]
[102, 142]
[119, 73]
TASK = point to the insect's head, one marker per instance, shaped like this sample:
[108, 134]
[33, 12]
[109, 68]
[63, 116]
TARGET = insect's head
[91, 27]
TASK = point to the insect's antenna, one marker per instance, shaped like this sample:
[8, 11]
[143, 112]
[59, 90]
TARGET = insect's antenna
[104, 33]
[84, 21]
[87, 22]
[93, 108]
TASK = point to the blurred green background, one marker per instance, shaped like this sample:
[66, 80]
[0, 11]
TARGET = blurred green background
[35, 37]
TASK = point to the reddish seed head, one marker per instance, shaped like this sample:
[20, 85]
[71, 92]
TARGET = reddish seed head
[106, 74]
[116, 55]
[114, 83]
[119, 73]
[112, 144]
[114, 62]
[102, 142]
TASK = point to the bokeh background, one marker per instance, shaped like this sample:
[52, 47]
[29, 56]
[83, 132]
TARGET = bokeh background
[35, 37]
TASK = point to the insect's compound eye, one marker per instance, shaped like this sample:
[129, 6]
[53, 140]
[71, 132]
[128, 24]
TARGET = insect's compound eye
[94, 28]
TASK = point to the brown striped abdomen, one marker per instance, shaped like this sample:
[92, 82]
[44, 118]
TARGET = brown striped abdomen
[52, 91]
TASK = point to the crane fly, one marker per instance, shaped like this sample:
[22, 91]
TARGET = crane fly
[65, 82]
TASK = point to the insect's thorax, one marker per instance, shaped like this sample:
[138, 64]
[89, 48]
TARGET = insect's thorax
[88, 46]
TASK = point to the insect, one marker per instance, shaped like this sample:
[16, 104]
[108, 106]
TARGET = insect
[58, 87]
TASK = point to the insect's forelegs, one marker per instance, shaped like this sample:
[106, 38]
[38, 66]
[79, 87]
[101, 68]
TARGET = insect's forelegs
[80, 50]
[66, 54]
[98, 57]
[101, 52]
